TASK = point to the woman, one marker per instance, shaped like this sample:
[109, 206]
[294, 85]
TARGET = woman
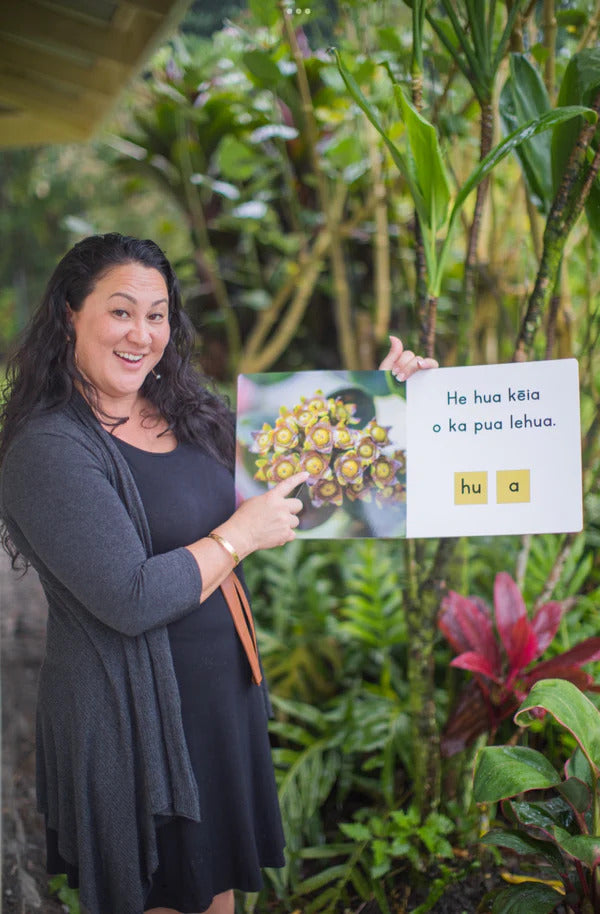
[153, 764]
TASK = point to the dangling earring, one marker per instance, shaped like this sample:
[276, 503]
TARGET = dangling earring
[156, 374]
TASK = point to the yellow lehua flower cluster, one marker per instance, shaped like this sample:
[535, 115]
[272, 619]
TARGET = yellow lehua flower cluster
[318, 435]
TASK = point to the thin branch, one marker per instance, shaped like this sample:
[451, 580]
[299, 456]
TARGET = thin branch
[522, 559]
[557, 569]
[205, 254]
[301, 283]
[287, 327]
[381, 241]
[342, 298]
[591, 33]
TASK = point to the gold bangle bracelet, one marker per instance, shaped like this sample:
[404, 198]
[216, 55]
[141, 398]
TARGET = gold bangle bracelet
[227, 546]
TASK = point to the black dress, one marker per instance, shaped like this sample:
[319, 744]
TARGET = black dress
[186, 494]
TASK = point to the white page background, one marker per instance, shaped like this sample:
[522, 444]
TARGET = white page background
[552, 454]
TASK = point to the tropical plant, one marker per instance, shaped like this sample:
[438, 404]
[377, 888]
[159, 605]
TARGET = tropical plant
[478, 51]
[381, 846]
[551, 817]
[500, 650]
[422, 166]
[295, 600]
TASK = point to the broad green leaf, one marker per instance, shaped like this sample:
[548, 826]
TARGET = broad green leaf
[522, 843]
[581, 847]
[429, 169]
[576, 793]
[344, 151]
[262, 67]
[571, 709]
[504, 771]
[573, 18]
[236, 160]
[400, 160]
[524, 132]
[526, 898]
[356, 830]
[579, 767]
[579, 86]
[524, 97]
[580, 83]
[265, 12]
[388, 39]
[499, 152]
[545, 814]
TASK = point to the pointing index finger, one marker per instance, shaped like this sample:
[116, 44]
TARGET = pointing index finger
[288, 485]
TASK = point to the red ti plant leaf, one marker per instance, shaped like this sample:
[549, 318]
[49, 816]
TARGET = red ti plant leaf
[467, 625]
[521, 647]
[449, 624]
[556, 667]
[509, 608]
[545, 623]
[476, 663]
[502, 678]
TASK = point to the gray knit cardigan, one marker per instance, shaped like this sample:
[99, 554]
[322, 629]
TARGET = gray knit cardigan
[111, 752]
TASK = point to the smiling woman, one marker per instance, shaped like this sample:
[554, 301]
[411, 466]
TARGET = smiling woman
[121, 332]
[153, 765]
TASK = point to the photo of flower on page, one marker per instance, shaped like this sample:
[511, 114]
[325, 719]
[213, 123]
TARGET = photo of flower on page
[346, 428]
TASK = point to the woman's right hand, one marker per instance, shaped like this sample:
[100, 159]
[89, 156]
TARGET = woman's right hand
[265, 521]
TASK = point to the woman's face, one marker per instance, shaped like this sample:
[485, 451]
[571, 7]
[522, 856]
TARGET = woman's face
[122, 329]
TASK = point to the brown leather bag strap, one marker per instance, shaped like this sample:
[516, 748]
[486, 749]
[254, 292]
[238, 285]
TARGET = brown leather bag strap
[241, 614]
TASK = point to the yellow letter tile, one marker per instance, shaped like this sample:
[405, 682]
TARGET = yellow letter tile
[512, 486]
[470, 488]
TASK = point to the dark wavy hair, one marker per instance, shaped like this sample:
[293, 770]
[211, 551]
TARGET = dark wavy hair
[42, 374]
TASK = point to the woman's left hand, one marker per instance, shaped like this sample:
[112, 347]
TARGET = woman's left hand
[402, 362]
